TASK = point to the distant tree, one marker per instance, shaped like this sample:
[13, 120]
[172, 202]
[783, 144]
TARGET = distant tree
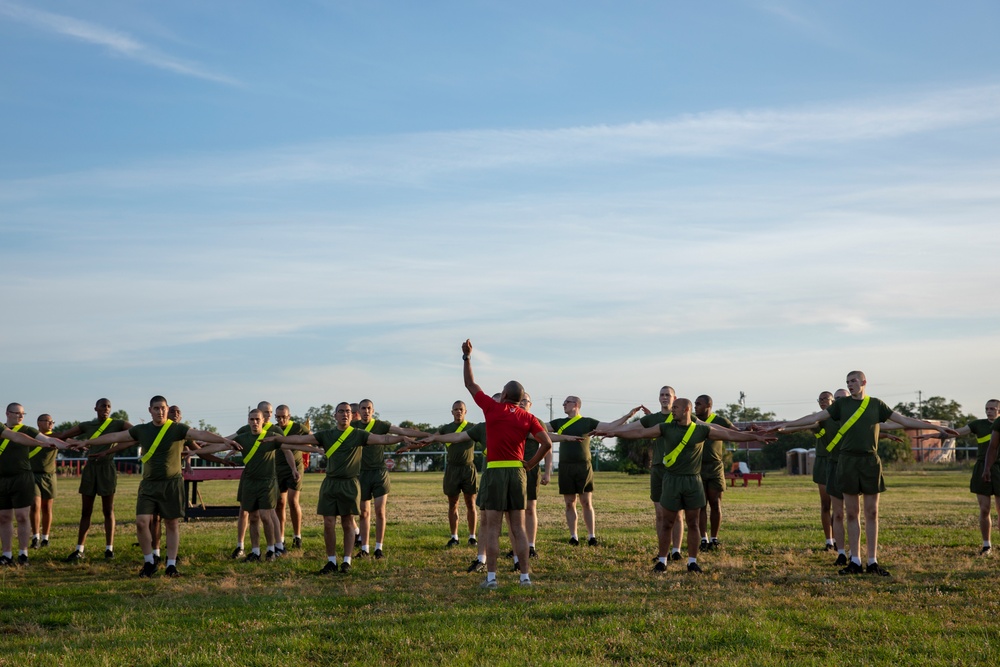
[120, 414]
[735, 412]
[774, 455]
[890, 450]
[936, 407]
[435, 462]
[321, 418]
[205, 426]
[65, 426]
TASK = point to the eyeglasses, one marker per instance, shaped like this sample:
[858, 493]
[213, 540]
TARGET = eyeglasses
[16, 414]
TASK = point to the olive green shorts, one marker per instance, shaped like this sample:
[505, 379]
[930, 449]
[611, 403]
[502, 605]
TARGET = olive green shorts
[832, 490]
[287, 482]
[503, 489]
[17, 491]
[339, 497]
[821, 465]
[656, 474]
[534, 481]
[460, 479]
[714, 478]
[374, 484]
[682, 492]
[981, 488]
[45, 485]
[575, 478]
[259, 494]
[99, 479]
[161, 497]
[860, 475]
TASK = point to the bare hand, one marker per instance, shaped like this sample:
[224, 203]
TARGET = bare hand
[644, 409]
[545, 478]
[467, 348]
[296, 475]
[950, 432]
[233, 445]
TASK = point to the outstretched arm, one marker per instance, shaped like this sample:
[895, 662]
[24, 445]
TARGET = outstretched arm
[910, 422]
[307, 439]
[628, 432]
[470, 382]
[808, 420]
[387, 439]
[621, 420]
[28, 441]
[449, 438]
[722, 433]
[411, 432]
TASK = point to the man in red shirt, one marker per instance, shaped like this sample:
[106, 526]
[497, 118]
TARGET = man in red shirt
[504, 486]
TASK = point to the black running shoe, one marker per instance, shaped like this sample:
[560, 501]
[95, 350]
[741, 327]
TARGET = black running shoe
[986, 551]
[4, 560]
[704, 546]
[574, 542]
[516, 567]
[852, 568]
[172, 572]
[453, 542]
[252, 558]
[357, 542]
[147, 571]
[831, 547]
[875, 568]
[156, 559]
[841, 560]
[714, 544]
[659, 567]
[477, 566]
[361, 554]
[270, 556]
[473, 541]
[44, 542]
[108, 554]
[34, 543]
[237, 553]
[693, 567]
[675, 555]
[378, 554]
[510, 554]
[296, 542]
[532, 553]
[74, 557]
[22, 559]
[329, 568]
[592, 542]
[345, 567]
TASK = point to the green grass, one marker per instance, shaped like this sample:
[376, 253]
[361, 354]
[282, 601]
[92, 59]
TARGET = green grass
[770, 596]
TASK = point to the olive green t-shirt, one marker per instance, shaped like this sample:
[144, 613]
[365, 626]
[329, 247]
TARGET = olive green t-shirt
[689, 460]
[165, 463]
[14, 458]
[280, 462]
[373, 457]
[715, 449]
[659, 444]
[982, 430]
[261, 464]
[88, 429]
[862, 437]
[824, 434]
[459, 453]
[345, 463]
[43, 461]
[478, 434]
[575, 452]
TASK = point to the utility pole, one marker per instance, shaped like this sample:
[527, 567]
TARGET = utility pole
[920, 404]
[551, 417]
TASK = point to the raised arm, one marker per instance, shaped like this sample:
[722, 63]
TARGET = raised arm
[621, 420]
[450, 438]
[470, 382]
[69, 433]
[108, 439]
[312, 449]
[387, 439]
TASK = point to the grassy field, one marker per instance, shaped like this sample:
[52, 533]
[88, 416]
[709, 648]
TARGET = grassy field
[770, 596]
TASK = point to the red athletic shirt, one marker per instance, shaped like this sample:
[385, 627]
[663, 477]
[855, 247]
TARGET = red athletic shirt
[507, 425]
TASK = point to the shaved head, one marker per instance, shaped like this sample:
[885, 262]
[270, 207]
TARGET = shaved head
[512, 392]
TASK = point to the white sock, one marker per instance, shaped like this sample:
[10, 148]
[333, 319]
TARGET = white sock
[298, 537]
[45, 537]
[591, 536]
[841, 552]
[515, 560]
[675, 550]
[481, 557]
[79, 548]
[35, 536]
[454, 536]
[109, 547]
[270, 547]
[171, 561]
[830, 541]
[525, 577]
[148, 558]
[491, 576]
[239, 545]
[872, 561]
[662, 559]
[347, 559]
[471, 536]
[986, 543]
[8, 554]
[692, 560]
[855, 560]
[332, 559]
[364, 547]
[704, 538]
[22, 552]
[573, 537]
[280, 545]
[156, 552]
[378, 546]
[255, 550]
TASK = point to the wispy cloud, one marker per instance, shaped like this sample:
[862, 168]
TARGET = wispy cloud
[119, 43]
[417, 159]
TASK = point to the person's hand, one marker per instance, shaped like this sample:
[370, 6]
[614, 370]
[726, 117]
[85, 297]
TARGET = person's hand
[545, 478]
[644, 409]
[467, 348]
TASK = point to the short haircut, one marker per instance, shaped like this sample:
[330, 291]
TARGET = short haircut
[282, 407]
[250, 414]
[705, 398]
[263, 404]
[335, 409]
[102, 400]
[365, 400]
[11, 406]
[513, 390]
[859, 374]
[462, 403]
[993, 400]
[157, 399]
[43, 416]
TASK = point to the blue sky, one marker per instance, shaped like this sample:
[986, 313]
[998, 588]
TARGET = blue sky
[318, 201]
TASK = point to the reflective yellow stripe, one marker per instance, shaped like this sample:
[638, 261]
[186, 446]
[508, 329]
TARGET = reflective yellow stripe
[368, 429]
[671, 458]
[34, 451]
[100, 429]
[156, 443]
[461, 427]
[343, 436]
[3, 445]
[983, 440]
[711, 418]
[253, 450]
[819, 434]
[848, 424]
[504, 464]
[568, 424]
[288, 428]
